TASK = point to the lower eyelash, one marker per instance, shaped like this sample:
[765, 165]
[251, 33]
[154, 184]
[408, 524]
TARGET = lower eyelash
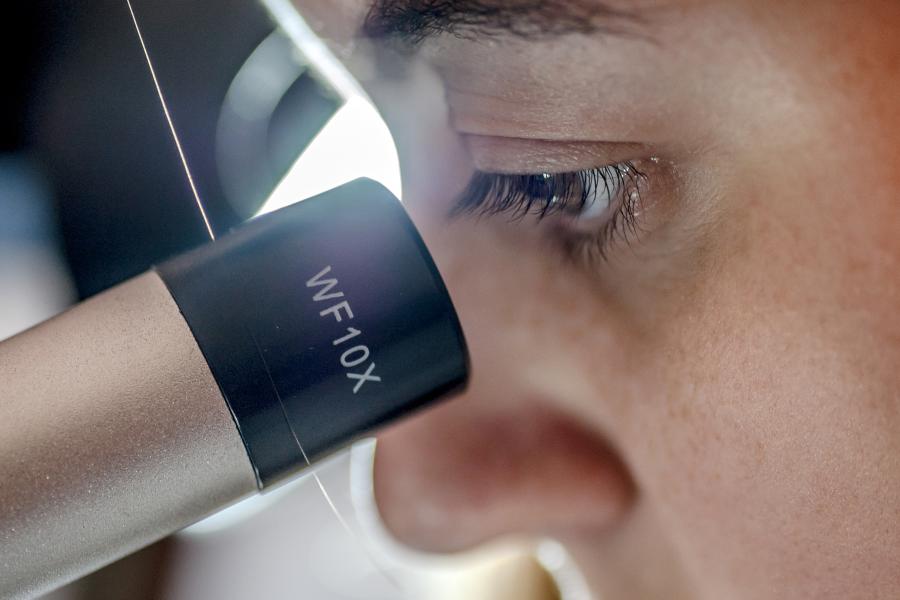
[543, 195]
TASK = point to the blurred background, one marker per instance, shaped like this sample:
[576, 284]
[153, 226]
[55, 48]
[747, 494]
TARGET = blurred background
[92, 192]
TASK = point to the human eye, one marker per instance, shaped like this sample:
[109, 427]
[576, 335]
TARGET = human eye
[590, 211]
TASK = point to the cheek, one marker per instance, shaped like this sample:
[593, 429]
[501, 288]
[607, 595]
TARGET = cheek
[536, 325]
[773, 457]
[774, 424]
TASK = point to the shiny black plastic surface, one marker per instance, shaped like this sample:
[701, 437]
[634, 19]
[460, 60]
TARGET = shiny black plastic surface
[321, 322]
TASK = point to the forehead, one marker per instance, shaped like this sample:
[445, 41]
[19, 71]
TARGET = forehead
[413, 21]
[630, 75]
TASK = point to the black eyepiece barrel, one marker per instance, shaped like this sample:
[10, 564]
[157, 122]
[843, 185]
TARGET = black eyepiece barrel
[320, 322]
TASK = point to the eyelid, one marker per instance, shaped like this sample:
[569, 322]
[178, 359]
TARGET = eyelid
[547, 194]
[564, 196]
[514, 156]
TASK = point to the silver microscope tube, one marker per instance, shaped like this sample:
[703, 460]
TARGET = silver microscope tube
[173, 395]
[113, 433]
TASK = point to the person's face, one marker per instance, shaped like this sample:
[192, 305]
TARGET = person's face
[696, 388]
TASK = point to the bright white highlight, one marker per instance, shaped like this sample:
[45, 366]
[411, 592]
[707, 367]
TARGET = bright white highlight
[558, 562]
[313, 48]
[354, 143]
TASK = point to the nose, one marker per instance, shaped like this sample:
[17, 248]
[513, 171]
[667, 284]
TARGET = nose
[513, 455]
[508, 457]
[474, 470]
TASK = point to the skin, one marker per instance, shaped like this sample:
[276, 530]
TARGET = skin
[714, 410]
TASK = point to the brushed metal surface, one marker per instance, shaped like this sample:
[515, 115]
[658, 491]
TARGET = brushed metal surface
[113, 434]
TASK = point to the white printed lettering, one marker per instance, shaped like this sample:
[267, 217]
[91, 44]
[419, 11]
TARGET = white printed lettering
[363, 378]
[353, 333]
[356, 356]
[326, 284]
[362, 353]
[336, 311]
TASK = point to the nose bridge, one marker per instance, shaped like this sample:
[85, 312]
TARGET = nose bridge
[533, 327]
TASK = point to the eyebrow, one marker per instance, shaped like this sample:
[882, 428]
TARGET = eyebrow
[411, 22]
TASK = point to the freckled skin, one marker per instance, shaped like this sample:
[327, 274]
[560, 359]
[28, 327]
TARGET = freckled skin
[715, 412]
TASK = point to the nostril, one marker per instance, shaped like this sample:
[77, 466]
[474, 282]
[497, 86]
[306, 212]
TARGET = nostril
[451, 479]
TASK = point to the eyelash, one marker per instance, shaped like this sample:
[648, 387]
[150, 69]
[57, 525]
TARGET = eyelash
[566, 194]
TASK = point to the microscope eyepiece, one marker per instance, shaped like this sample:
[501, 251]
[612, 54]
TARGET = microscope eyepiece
[320, 322]
[224, 371]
